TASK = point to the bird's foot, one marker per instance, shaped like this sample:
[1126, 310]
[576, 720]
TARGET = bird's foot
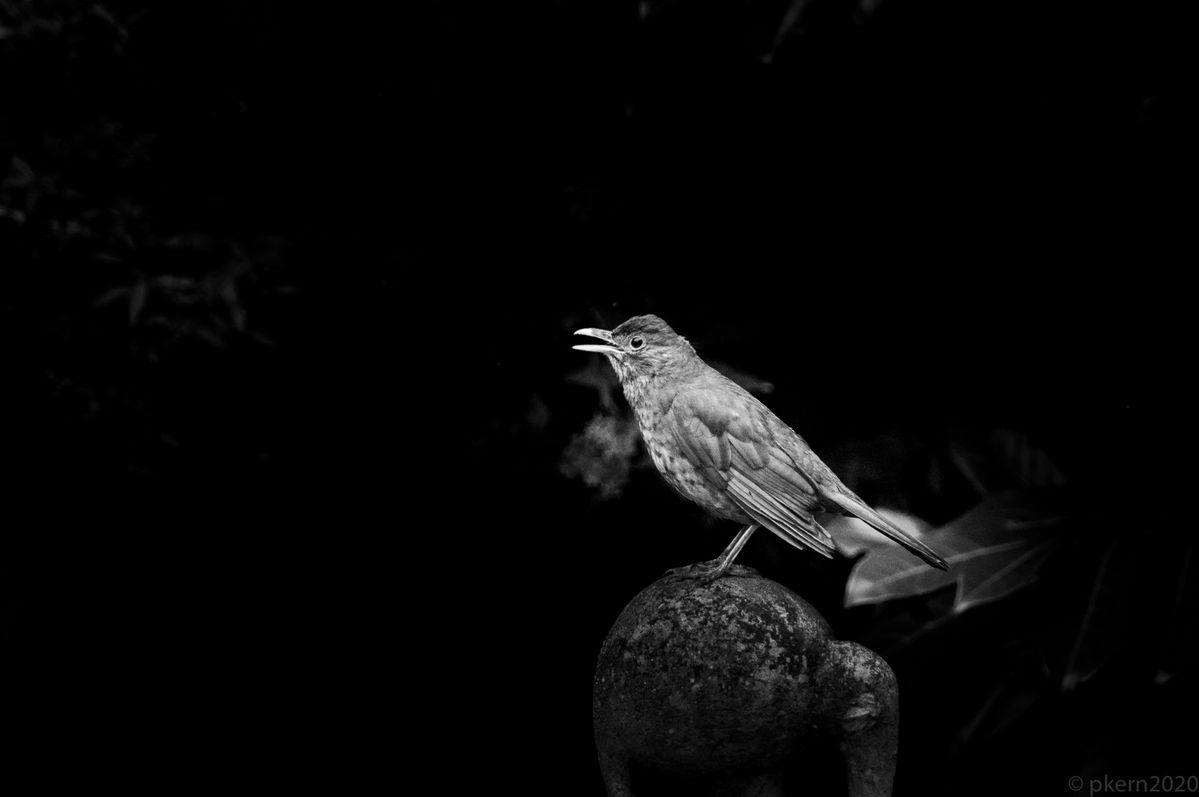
[707, 572]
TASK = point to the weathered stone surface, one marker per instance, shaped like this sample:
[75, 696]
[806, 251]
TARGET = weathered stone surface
[723, 685]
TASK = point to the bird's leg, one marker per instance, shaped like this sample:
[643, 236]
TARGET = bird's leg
[730, 552]
[714, 569]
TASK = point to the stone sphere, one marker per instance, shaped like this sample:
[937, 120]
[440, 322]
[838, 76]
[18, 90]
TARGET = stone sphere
[735, 681]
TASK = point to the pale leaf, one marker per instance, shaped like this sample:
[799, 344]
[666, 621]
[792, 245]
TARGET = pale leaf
[993, 550]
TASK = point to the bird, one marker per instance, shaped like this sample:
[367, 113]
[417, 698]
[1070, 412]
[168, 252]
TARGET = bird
[723, 449]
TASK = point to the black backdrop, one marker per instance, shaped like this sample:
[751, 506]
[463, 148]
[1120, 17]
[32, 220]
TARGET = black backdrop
[343, 547]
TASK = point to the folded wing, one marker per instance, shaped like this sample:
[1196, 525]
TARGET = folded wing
[732, 446]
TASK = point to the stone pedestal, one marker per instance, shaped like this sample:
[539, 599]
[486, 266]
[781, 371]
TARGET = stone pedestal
[721, 688]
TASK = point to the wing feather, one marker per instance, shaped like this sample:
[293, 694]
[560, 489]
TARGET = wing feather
[734, 449]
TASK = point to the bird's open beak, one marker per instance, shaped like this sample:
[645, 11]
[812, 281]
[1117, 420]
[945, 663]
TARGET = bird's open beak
[603, 335]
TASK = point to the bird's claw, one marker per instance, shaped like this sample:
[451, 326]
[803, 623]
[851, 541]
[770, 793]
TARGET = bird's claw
[707, 572]
[705, 575]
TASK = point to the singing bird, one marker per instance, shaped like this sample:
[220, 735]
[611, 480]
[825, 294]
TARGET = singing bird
[723, 449]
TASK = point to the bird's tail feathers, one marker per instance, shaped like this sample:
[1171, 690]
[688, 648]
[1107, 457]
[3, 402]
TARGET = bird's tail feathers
[853, 506]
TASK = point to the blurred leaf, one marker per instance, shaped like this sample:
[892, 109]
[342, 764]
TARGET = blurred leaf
[172, 283]
[993, 550]
[237, 314]
[21, 176]
[993, 572]
[791, 19]
[888, 574]
[1106, 617]
[647, 8]
[109, 296]
[209, 335]
[853, 536]
[804, 15]
[227, 288]
[1018, 691]
[1003, 459]
[1182, 633]
[867, 7]
[137, 300]
[16, 214]
[198, 241]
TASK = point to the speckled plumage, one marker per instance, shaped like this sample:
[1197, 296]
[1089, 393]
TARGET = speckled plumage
[720, 447]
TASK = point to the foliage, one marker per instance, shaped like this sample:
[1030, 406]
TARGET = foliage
[993, 550]
[279, 367]
[108, 272]
[77, 194]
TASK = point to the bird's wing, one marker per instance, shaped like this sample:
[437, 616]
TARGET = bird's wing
[725, 434]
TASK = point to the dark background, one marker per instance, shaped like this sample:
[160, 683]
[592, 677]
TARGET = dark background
[287, 302]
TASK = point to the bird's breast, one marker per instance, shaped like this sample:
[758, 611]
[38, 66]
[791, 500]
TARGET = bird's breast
[685, 477]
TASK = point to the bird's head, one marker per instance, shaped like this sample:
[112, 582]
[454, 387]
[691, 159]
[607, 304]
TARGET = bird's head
[641, 348]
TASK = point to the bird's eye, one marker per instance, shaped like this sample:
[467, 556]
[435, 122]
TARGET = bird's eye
[636, 342]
